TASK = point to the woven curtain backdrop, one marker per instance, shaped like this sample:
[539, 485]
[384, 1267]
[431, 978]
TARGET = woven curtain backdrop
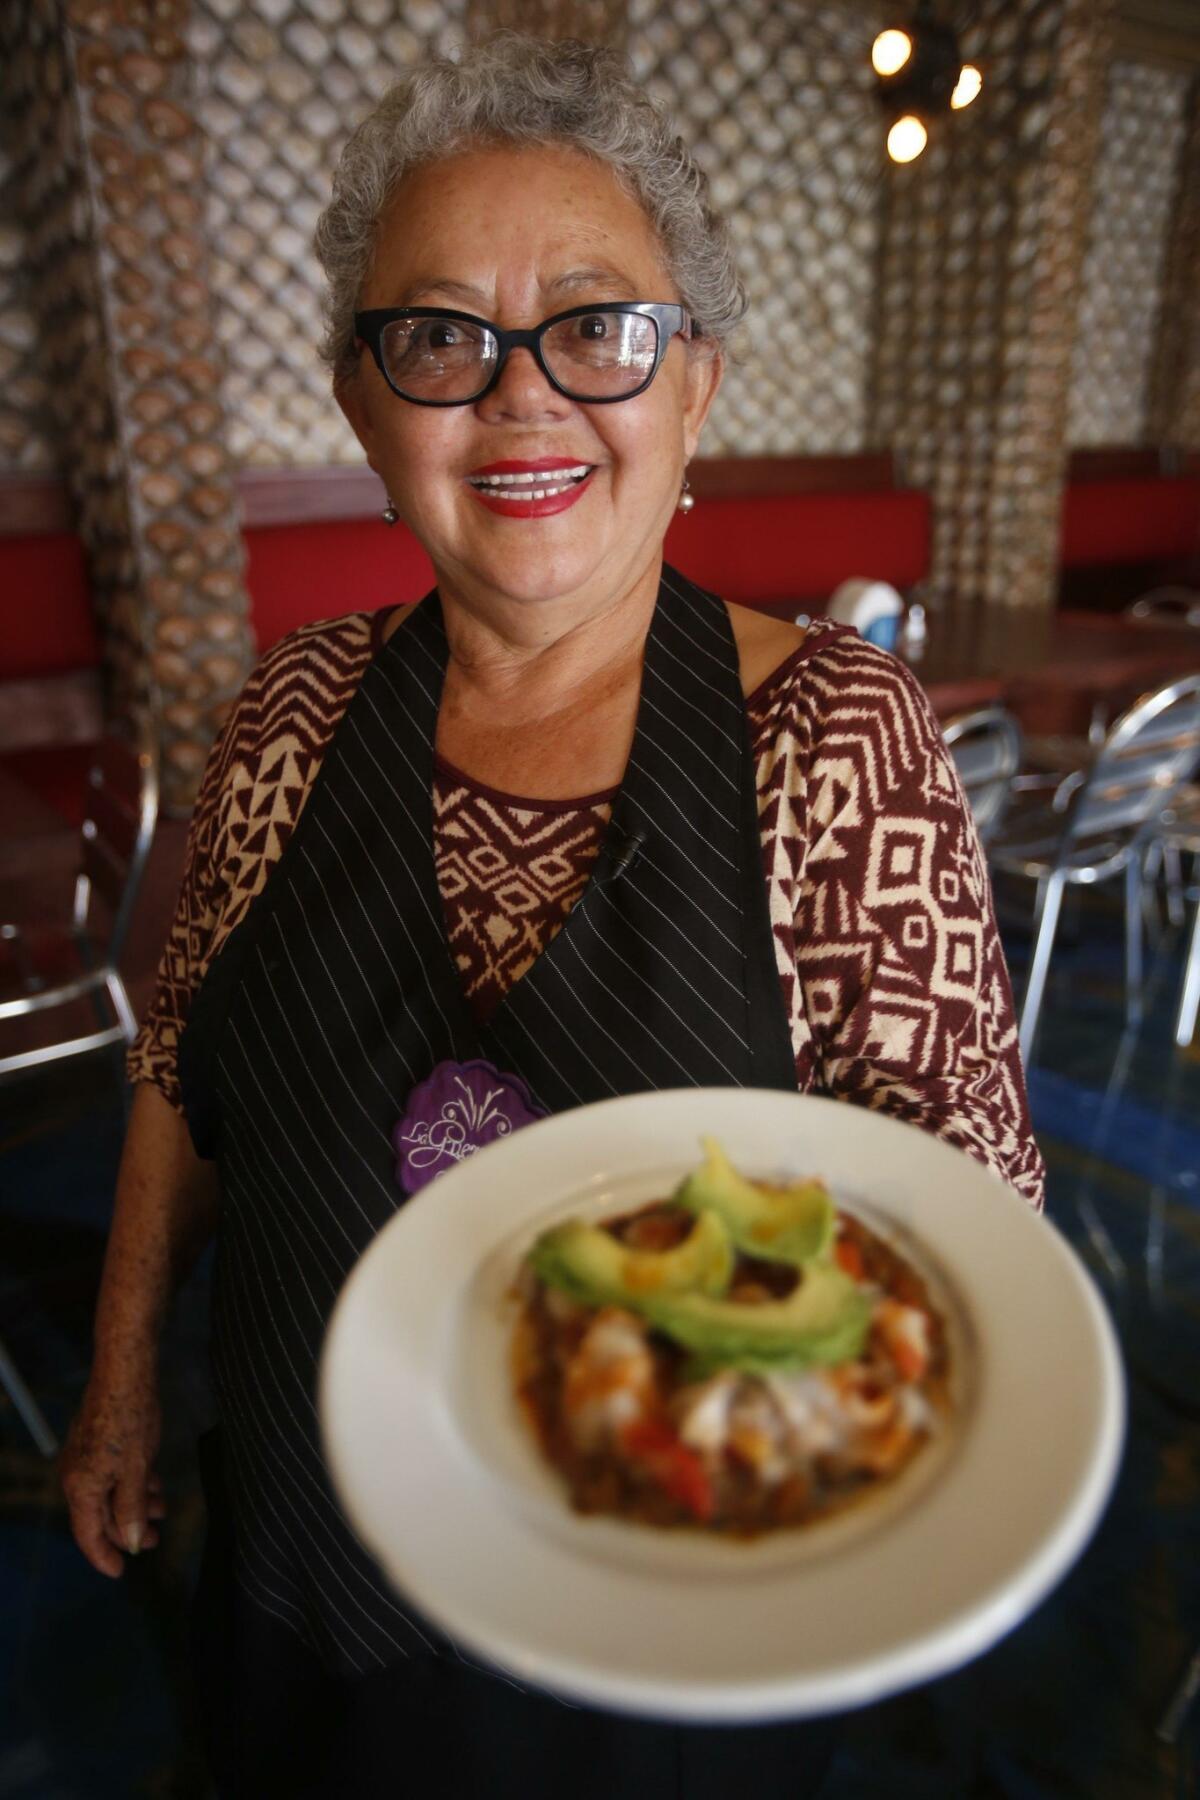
[1173, 405]
[1142, 132]
[280, 84]
[979, 284]
[27, 438]
[777, 103]
[775, 100]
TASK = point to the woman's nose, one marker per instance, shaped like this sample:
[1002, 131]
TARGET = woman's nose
[523, 392]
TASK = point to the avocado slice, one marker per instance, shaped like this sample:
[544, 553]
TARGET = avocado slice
[780, 1224]
[592, 1266]
[824, 1320]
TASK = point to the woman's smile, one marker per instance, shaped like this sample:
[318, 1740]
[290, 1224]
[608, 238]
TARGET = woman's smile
[531, 489]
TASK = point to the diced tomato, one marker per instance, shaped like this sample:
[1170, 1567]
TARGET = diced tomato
[909, 1360]
[849, 1258]
[676, 1467]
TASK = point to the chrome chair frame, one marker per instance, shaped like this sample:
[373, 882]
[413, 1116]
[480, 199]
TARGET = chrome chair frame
[1079, 802]
[119, 867]
[1171, 605]
[1179, 834]
[100, 859]
[988, 789]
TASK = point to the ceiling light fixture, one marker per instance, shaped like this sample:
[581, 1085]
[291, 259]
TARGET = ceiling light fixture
[906, 139]
[967, 87]
[922, 77]
[890, 51]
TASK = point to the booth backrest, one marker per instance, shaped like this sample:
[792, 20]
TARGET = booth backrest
[781, 548]
[1130, 521]
[798, 547]
[47, 626]
[770, 549]
[297, 573]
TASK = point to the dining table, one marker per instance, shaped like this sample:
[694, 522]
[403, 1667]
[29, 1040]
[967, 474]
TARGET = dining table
[1057, 670]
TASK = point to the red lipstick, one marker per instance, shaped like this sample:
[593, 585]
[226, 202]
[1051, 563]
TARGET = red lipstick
[532, 488]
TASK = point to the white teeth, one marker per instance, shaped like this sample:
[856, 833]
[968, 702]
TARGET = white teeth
[525, 481]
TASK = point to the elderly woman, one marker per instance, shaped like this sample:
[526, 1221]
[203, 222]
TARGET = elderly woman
[569, 816]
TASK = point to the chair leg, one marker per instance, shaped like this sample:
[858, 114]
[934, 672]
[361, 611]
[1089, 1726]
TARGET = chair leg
[1173, 870]
[120, 1000]
[1189, 998]
[1133, 940]
[1046, 920]
[1151, 865]
[26, 1405]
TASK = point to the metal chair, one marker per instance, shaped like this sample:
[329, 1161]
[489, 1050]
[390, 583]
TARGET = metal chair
[1179, 832]
[122, 808]
[986, 748]
[1098, 824]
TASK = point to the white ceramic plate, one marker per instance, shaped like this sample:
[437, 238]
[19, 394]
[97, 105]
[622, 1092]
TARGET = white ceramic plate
[439, 1475]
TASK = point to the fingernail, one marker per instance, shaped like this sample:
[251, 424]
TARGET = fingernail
[133, 1537]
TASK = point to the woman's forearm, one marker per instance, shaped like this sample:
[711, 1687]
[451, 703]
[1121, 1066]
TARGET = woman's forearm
[165, 1212]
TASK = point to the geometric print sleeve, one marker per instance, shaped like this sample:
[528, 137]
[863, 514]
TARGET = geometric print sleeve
[257, 778]
[900, 975]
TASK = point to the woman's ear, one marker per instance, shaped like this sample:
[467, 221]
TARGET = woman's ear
[705, 368]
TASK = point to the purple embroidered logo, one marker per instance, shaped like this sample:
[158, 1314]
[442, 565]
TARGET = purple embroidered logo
[454, 1112]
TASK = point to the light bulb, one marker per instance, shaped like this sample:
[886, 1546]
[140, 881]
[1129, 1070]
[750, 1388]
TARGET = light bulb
[890, 51]
[967, 86]
[906, 140]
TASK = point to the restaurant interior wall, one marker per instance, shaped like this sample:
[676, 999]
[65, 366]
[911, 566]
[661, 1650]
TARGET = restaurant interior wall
[931, 310]
[1139, 168]
[1173, 414]
[106, 175]
[979, 284]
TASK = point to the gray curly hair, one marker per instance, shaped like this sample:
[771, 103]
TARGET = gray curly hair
[523, 90]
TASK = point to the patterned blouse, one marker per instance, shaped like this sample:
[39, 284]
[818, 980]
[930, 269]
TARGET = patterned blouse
[886, 942]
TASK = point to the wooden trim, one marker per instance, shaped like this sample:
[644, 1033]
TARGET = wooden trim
[1114, 462]
[296, 496]
[36, 504]
[33, 505]
[1166, 32]
[300, 496]
[723, 477]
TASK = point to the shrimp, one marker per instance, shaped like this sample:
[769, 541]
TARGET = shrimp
[609, 1381]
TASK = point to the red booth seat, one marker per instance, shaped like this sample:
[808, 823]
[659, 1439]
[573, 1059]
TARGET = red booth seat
[297, 573]
[776, 549]
[799, 547]
[781, 551]
[1132, 521]
[46, 612]
[758, 550]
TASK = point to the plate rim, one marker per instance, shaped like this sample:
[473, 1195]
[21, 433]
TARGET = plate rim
[959, 1637]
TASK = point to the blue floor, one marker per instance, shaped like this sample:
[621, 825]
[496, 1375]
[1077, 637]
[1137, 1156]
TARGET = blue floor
[94, 1701]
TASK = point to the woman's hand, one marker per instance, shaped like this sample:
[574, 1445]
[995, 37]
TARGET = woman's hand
[107, 1467]
[165, 1211]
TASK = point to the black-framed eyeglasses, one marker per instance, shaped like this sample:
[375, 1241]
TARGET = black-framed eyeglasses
[596, 354]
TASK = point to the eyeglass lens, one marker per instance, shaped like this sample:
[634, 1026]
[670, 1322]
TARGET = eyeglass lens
[595, 357]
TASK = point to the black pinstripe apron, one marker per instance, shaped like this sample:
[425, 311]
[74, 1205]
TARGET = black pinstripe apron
[337, 996]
